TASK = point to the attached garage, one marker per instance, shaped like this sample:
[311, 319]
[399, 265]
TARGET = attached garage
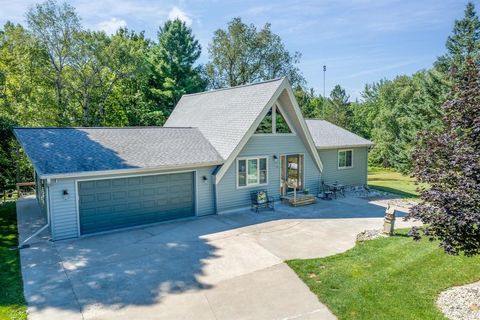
[110, 204]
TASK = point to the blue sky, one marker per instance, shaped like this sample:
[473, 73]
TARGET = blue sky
[360, 41]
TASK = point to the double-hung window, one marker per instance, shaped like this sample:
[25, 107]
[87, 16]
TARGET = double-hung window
[345, 159]
[252, 171]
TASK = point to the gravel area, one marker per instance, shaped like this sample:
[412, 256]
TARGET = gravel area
[461, 303]
[370, 235]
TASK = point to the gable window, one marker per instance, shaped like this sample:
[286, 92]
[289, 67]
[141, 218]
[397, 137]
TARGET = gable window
[252, 171]
[273, 123]
[345, 159]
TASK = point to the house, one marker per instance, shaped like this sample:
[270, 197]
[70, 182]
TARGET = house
[214, 150]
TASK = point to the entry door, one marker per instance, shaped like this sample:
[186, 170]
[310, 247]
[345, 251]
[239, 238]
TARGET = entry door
[292, 172]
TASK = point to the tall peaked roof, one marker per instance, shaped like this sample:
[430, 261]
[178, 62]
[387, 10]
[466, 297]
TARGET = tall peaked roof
[326, 135]
[224, 116]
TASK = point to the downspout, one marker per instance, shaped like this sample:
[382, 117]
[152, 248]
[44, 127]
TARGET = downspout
[215, 191]
[24, 244]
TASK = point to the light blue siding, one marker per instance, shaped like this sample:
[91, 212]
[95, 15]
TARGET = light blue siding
[231, 197]
[205, 197]
[64, 215]
[63, 211]
[357, 175]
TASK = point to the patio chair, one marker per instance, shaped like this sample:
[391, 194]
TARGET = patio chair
[326, 193]
[260, 199]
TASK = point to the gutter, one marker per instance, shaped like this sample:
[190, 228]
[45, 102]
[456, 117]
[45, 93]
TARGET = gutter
[215, 191]
[24, 244]
[346, 146]
[126, 171]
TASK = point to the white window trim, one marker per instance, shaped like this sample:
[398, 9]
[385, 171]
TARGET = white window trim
[338, 159]
[287, 120]
[251, 185]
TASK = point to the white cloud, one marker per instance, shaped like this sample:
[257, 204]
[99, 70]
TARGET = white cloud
[177, 13]
[111, 25]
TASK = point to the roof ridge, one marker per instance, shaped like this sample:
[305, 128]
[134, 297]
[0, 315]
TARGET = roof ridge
[134, 127]
[235, 87]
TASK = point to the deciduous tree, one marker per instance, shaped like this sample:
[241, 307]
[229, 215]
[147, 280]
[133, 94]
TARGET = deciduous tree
[54, 26]
[242, 54]
[448, 161]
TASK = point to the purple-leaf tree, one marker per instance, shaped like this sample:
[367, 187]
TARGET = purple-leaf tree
[448, 162]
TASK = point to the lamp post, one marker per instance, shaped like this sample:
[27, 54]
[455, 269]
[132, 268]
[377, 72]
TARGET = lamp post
[324, 97]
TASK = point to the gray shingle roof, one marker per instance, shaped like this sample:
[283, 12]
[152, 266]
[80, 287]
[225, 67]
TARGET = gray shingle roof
[72, 150]
[327, 135]
[224, 116]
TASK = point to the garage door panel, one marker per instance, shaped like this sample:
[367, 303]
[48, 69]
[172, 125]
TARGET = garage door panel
[125, 202]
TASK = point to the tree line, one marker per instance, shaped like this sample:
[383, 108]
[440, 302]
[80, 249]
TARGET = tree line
[392, 112]
[55, 72]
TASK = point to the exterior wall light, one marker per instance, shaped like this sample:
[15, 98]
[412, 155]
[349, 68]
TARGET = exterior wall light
[65, 194]
[275, 158]
[205, 179]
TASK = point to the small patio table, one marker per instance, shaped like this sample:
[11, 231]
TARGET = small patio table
[335, 187]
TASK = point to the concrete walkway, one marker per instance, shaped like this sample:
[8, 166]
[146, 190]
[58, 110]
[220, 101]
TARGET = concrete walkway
[217, 267]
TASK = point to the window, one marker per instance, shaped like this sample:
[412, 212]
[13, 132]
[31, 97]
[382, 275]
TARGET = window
[273, 122]
[252, 171]
[345, 159]
[281, 123]
[266, 125]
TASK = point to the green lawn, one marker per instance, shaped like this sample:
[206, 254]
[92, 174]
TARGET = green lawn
[388, 180]
[12, 302]
[388, 278]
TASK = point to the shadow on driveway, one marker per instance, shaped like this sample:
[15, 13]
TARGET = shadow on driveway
[153, 264]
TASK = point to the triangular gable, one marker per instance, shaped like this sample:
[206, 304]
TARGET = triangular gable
[224, 116]
[274, 123]
[285, 100]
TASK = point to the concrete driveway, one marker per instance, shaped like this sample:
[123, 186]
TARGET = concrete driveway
[218, 267]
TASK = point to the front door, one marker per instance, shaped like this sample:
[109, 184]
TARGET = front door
[292, 172]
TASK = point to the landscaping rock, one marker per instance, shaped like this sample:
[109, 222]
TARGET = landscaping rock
[370, 235]
[461, 303]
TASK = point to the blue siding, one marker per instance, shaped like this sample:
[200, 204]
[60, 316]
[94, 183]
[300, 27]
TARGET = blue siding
[63, 211]
[231, 197]
[205, 197]
[357, 175]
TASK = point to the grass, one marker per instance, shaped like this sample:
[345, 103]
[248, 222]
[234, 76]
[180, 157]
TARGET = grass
[389, 180]
[387, 278]
[12, 302]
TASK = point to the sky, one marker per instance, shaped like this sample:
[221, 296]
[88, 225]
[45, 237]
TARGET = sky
[360, 41]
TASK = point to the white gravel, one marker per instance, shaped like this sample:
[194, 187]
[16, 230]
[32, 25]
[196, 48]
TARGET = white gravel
[461, 303]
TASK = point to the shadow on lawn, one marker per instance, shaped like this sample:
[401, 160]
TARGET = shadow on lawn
[403, 194]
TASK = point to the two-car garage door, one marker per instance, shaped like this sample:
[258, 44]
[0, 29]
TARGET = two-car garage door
[110, 204]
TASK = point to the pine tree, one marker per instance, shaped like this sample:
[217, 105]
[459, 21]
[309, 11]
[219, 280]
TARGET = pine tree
[173, 59]
[339, 111]
[463, 45]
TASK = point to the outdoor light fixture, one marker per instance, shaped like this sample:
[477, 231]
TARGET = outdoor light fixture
[65, 194]
[275, 158]
[204, 178]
